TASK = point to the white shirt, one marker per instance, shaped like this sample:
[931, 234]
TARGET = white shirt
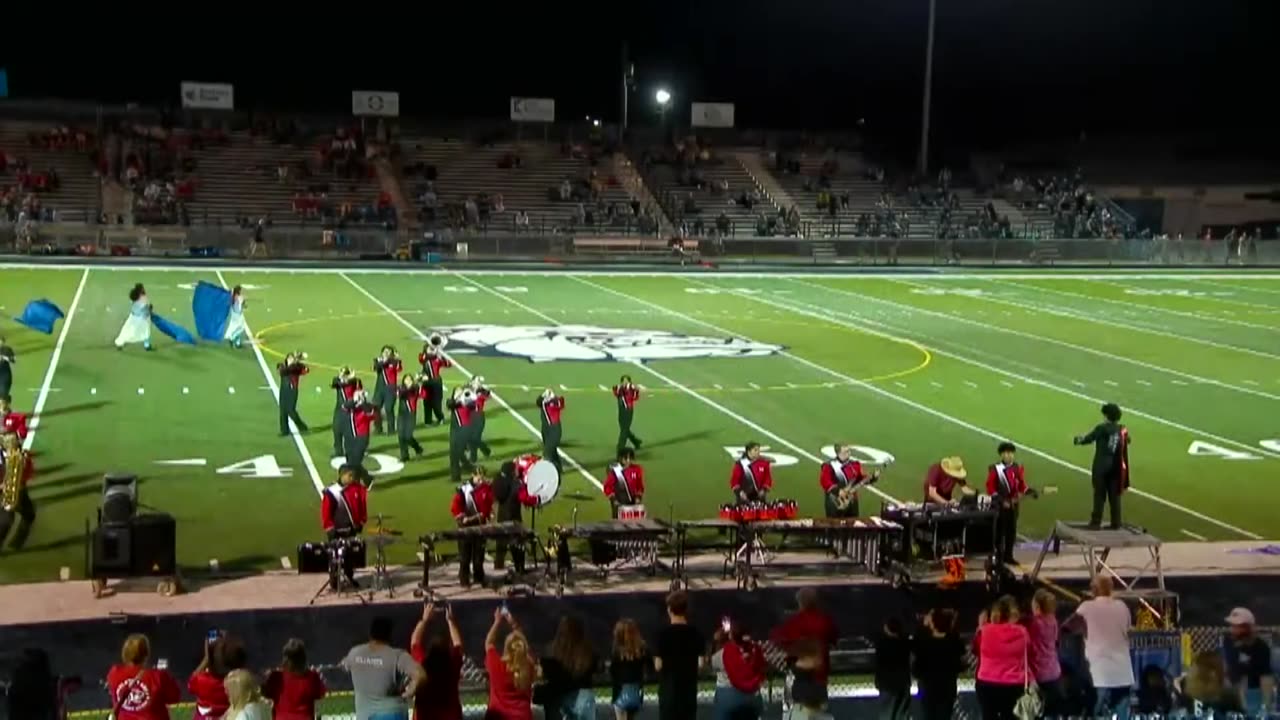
[1106, 643]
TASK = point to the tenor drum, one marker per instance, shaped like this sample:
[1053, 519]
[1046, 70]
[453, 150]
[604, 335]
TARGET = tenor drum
[631, 512]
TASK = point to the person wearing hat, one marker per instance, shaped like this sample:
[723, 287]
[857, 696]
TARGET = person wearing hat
[941, 480]
[1249, 663]
[1110, 464]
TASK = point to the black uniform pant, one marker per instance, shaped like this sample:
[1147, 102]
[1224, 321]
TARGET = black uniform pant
[356, 447]
[517, 548]
[385, 399]
[477, 437]
[1106, 490]
[433, 408]
[24, 515]
[289, 410]
[341, 421]
[459, 440]
[471, 560]
[1006, 532]
[407, 440]
[551, 446]
[624, 430]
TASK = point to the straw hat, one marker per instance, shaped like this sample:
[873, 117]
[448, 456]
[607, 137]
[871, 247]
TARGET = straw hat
[954, 467]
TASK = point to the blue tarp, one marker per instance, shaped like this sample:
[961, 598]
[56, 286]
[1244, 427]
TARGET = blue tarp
[40, 315]
[211, 306]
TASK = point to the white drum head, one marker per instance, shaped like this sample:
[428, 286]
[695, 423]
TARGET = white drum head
[542, 481]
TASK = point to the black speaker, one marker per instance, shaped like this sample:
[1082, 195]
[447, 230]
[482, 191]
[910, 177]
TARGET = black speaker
[112, 549]
[119, 498]
[155, 545]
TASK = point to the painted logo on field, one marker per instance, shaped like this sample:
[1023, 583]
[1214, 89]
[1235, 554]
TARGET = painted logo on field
[545, 343]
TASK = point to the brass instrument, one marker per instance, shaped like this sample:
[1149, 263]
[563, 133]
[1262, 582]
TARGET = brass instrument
[468, 396]
[555, 538]
[15, 463]
[437, 341]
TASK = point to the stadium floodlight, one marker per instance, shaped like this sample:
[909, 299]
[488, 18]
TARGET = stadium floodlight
[596, 122]
[662, 96]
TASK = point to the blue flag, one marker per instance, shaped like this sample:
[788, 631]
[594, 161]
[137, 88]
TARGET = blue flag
[173, 330]
[211, 306]
[40, 315]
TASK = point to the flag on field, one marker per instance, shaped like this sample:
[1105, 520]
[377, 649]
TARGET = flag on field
[40, 315]
[173, 330]
[211, 306]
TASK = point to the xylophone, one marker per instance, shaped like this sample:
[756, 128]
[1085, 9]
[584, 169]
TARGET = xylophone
[512, 532]
[613, 544]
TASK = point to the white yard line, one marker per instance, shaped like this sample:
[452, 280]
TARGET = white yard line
[1193, 536]
[1240, 288]
[498, 399]
[1206, 298]
[307, 461]
[46, 384]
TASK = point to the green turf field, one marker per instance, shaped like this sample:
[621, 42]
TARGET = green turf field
[914, 366]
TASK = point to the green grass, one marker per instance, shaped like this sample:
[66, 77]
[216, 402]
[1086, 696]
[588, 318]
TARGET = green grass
[918, 366]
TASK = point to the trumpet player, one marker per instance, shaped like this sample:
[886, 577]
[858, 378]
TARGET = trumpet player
[387, 368]
[407, 397]
[551, 408]
[291, 372]
[362, 415]
[627, 394]
[461, 408]
[840, 479]
[482, 395]
[344, 388]
[15, 501]
[433, 362]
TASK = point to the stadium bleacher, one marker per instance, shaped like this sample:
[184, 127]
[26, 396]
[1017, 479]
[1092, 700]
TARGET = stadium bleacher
[717, 186]
[78, 195]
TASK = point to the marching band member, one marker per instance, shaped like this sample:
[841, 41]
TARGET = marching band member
[433, 362]
[511, 495]
[291, 372]
[344, 388]
[137, 327]
[1006, 484]
[237, 328]
[408, 395]
[551, 408]
[344, 510]
[15, 502]
[941, 480]
[461, 407]
[627, 394]
[7, 361]
[840, 479]
[482, 395]
[624, 483]
[472, 505]
[752, 478]
[387, 368]
[1110, 464]
[361, 416]
[10, 421]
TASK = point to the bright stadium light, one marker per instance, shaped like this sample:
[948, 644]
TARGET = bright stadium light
[662, 96]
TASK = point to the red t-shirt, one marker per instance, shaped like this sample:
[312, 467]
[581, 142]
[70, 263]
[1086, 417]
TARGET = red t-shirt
[506, 701]
[293, 696]
[210, 695]
[813, 624]
[437, 698]
[142, 695]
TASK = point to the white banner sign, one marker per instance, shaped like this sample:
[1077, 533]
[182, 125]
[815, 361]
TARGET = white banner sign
[714, 115]
[533, 109]
[382, 104]
[208, 96]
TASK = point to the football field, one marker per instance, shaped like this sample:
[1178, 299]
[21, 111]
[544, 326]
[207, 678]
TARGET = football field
[912, 366]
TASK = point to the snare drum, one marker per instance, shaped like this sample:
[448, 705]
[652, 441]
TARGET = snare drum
[631, 512]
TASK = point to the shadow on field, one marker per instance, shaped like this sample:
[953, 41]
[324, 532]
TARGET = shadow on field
[668, 442]
[91, 486]
[76, 479]
[437, 474]
[76, 540]
[69, 409]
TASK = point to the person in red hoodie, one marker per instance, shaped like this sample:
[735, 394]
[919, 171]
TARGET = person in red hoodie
[222, 654]
[293, 688]
[810, 622]
[140, 692]
[742, 662]
[1002, 646]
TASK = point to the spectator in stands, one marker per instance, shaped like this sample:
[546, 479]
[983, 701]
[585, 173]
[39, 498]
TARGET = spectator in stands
[677, 657]
[511, 672]
[138, 691]
[743, 664]
[441, 660]
[1204, 689]
[893, 670]
[1106, 621]
[384, 678]
[1045, 668]
[567, 671]
[1248, 660]
[1003, 647]
[522, 221]
[566, 190]
[222, 654]
[294, 688]
[246, 697]
[626, 669]
[809, 623]
[939, 660]
[1154, 696]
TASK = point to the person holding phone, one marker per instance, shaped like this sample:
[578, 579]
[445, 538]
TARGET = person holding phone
[742, 662]
[222, 654]
[511, 671]
[140, 692]
[441, 659]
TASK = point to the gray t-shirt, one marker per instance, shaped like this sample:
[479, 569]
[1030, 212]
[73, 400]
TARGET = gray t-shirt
[379, 674]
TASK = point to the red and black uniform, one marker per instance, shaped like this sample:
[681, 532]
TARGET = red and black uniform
[751, 480]
[836, 476]
[360, 418]
[511, 495]
[1006, 484]
[472, 505]
[290, 377]
[15, 422]
[551, 411]
[387, 371]
[627, 396]
[407, 397]
[24, 510]
[344, 510]
[460, 430]
[344, 389]
[624, 485]
[477, 424]
[432, 366]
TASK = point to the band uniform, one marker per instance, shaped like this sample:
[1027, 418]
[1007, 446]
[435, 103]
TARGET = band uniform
[840, 479]
[291, 372]
[433, 363]
[16, 506]
[511, 496]
[624, 482]
[344, 388]
[344, 511]
[1007, 485]
[472, 505]
[482, 395]
[386, 367]
[627, 395]
[551, 408]
[752, 477]
[408, 395]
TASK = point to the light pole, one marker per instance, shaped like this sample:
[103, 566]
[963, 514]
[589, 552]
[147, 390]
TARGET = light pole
[922, 163]
[663, 96]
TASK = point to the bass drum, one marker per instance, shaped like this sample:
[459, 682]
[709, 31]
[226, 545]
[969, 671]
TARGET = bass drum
[542, 481]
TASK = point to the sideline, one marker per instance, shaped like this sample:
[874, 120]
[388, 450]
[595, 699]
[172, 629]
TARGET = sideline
[38, 409]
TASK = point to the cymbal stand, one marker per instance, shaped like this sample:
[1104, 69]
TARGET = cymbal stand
[381, 576]
[337, 582]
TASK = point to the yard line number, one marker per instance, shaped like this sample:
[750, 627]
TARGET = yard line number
[1201, 448]
[266, 466]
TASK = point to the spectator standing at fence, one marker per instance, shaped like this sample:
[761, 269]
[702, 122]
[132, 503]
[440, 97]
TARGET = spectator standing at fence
[245, 696]
[441, 659]
[626, 669]
[939, 660]
[383, 677]
[808, 681]
[893, 670]
[294, 688]
[1248, 659]
[1045, 668]
[1003, 649]
[1106, 621]
[743, 664]
[1204, 688]
[222, 654]
[511, 672]
[809, 623]
[567, 672]
[677, 657]
[138, 691]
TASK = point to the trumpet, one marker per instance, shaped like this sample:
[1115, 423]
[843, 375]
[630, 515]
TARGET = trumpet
[477, 382]
[548, 394]
[468, 396]
[346, 373]
[436, 342]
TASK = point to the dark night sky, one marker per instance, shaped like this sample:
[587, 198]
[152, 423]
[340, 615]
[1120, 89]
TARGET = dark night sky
[1019, 68]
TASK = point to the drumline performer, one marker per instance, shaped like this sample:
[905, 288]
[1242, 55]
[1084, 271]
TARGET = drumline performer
[512, 495]
[627, 394]
[10, 421]
[237, 328]
[361, 416]
[752, 477]
[137, 327]
[387, 368]
[942, 479]
[482, 395]
[344, 510]
[344, 388]
[16, 505]
[461, 407]
[433, 362]
[291, 372]
[472, 505]
[1006, 484]
[840, 479]
[551, 408]
[624, 482]
[407, 397]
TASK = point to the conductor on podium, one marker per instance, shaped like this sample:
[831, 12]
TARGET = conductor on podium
[1110, 464]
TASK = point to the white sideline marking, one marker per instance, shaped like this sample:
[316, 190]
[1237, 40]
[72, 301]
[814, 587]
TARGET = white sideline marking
[1146, 306]
[1144, 382]
[45, 385]
[900, 384]
[1006, 383]
[1250, 382]
[519, 418]
[64, 573]
[1112, 383]
[971, 383]
[285, 563]
[1178, 382]
[975, 428]
[307, 462]
[1194, 536]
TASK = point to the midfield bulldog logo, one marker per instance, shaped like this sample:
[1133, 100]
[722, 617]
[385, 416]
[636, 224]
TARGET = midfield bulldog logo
[541, 343]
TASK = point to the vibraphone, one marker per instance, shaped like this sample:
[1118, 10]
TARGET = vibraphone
[612, 544]
[935, 532]
[512, 532]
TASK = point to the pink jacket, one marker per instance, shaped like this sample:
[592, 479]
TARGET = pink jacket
[1044, 648]
[1002, 653]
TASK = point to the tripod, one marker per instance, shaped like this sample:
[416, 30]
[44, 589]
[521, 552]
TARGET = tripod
[337, 582]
